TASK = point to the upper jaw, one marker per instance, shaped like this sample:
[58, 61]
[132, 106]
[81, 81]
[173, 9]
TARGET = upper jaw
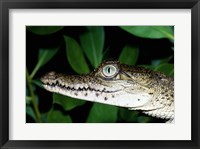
[80, 87]
[76, 83]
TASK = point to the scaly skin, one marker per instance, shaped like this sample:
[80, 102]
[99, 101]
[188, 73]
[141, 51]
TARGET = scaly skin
[135, 88]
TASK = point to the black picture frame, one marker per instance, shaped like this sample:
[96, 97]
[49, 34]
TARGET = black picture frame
[5, 5]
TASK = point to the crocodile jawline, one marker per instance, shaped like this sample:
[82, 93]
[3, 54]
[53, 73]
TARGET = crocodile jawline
[79, 89]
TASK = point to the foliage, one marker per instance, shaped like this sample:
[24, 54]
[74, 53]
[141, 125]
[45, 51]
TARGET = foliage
[154, 32]
[84, 52]
[44, 30]
[92, 42]
[129, 55]
[75, 55]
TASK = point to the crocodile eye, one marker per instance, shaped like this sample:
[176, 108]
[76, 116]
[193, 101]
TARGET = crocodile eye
[109, 70]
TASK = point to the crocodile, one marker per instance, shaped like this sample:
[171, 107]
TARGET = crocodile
[113, 83]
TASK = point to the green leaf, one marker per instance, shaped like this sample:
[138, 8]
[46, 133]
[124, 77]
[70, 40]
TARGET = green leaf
[147, 67]
[171, 73]
[66, 102]
[144, 119]
[30, 112]
[102, 113]
[44, 30]
[157, 62]
[92, 42]
[45, 55]
[75, 56]
[128, 115]
[166, 68]
[153, 32]
[44, 117]
[37, 82]
[129, 55]
[56, 116]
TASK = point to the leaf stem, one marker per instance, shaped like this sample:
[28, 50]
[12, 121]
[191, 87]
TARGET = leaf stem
[33, 100]
[34, 71]
[39, 64]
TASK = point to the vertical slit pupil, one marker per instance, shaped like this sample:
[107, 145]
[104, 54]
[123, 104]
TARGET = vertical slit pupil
[108, 69]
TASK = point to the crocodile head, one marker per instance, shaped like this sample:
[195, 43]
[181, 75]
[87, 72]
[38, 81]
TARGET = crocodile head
[111, 83]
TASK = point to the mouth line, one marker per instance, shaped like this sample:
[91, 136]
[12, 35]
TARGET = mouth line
[79, 89]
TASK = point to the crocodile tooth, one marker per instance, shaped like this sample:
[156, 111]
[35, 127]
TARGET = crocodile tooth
[76, 87]
[62, 83]
[85, 86]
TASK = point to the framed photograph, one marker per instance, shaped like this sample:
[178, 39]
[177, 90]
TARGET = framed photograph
[99, 74]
